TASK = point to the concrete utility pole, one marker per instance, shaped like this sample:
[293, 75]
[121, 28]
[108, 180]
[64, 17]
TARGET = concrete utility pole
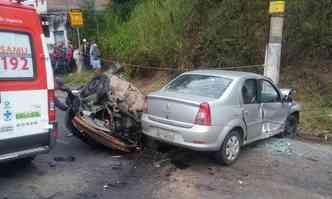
[273, 48]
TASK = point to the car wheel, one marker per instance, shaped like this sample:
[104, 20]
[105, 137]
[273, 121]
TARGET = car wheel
[230, 149]
[290, 127]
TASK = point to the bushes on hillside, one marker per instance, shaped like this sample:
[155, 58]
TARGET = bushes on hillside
[207, 32]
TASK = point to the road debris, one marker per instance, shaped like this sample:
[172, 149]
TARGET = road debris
[116, 166]
[116, 156]
[105, 187]
[281, 146]
[52, 164]
[115, 184]
[180, 164]
[162, 162]
[69, 135]
[64, 159]
[169, 171]
[210, 170]
[312, 159]
[205, 187]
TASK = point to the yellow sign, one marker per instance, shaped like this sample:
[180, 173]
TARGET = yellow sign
[277, 7]
[75, 18]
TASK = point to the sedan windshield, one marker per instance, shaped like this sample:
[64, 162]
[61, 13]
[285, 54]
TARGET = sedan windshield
[199, 85]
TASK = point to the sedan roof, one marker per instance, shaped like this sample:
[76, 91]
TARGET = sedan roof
[225, 73]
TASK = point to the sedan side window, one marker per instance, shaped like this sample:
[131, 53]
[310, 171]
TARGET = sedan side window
[268, 93]
[249, 92]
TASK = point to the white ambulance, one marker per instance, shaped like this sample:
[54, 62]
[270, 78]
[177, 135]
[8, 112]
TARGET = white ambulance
[27, 113]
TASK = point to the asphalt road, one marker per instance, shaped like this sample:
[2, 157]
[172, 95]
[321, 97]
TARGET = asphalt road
[275, 168]
[73, 170]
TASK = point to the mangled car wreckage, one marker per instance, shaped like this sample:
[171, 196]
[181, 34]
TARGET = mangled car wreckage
[106, 111]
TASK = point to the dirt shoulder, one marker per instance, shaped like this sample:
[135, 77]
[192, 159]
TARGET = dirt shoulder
[275, 168]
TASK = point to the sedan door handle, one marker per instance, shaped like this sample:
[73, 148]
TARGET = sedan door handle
[246, 112]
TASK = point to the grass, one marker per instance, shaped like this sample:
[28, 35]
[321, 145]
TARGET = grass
[78, 78]
[315, 95]
[315, 118]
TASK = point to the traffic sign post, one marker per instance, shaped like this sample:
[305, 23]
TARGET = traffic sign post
[277, 7]
[76, 21]
[75, 18]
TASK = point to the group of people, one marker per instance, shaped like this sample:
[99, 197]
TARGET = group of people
[66, 59]
[62, 58]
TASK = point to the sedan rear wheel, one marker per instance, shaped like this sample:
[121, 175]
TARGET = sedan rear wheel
[230, 149]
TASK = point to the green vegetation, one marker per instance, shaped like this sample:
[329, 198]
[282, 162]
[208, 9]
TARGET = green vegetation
[214, 33]
[315, 96]
[78, 78]
[182, 33]
[206, 32]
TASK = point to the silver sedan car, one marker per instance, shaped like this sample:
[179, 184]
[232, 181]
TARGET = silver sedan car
[219, 111]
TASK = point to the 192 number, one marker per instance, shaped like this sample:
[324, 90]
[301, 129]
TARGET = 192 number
[14, 63]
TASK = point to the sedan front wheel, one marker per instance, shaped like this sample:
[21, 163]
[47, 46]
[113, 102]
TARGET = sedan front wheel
[230, 149]
[290, 127]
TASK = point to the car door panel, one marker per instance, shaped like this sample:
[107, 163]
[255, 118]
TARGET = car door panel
[274, 110]
[274, 118]
[252, 110]
[252, 114]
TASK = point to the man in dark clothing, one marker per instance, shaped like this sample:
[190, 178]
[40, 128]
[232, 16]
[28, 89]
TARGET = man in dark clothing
[59, 84]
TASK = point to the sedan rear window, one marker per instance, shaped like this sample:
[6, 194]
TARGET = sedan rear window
[199, 85]
[16, 59]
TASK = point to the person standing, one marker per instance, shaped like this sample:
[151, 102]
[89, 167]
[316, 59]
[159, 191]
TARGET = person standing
[86, 55]
[95, 57]
[78, 60]
[69, 58]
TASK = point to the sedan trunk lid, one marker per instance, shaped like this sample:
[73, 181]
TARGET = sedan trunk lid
[172, 106]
